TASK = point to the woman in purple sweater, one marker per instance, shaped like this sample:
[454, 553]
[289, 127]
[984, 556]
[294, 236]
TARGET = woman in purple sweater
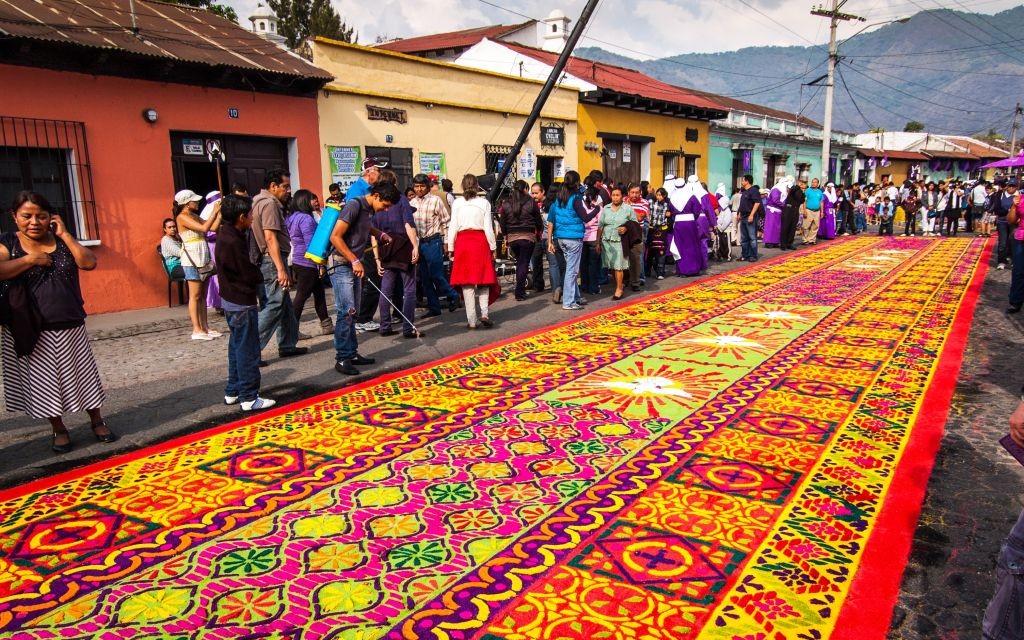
[301, 225]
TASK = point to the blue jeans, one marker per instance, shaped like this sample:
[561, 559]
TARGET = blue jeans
[387, 285]
[277, 314]
[748, 239]
[243, 355]
[432, 277]
[1003, 244]
[556, 266]
[1017, 277]
[347, 289]
[1004, 616]
[572, 249]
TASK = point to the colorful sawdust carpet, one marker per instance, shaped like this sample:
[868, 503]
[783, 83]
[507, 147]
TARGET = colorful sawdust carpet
[739, 458]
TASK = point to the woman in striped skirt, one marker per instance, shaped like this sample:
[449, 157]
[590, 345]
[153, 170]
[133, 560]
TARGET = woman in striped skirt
[57, 374]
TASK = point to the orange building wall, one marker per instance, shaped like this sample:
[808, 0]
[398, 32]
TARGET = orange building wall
[131, 160]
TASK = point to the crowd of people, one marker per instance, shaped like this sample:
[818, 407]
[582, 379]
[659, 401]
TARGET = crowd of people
[390, 252]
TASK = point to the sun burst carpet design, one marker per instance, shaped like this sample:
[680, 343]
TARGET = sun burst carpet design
[741, 458]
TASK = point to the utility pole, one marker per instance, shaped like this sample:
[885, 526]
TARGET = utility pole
[833, 58]
[542, 97]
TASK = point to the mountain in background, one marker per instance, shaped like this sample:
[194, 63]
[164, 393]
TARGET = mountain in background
[955, 72]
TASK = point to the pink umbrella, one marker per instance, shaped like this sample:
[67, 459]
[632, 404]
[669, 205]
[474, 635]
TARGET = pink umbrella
[1016, 161]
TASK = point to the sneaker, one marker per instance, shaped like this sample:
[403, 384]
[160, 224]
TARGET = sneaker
[294, 351]
[257, 404]
[214, 334]
[346, 367]
[327, 327]
[372, 325]
[1013, 309]
[999, 266]
[304, 336]
[230, 399]
[202, 336]
[663, 277]
[363, 360]
[572, 307]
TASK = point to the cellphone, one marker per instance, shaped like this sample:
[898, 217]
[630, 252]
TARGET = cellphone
[53, 227]
[1013, 448]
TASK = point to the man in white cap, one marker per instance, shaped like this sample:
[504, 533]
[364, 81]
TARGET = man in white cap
[365, 182]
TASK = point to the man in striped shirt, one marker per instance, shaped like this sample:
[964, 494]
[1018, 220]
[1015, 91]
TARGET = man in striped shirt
[432, 218]
[638, 253]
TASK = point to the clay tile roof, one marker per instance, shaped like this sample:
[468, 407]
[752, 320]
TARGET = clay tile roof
[959, 155]
[750, 107]
[165, 31]
[892, 155]
[978, 148]
[451, 39]
[622, 80]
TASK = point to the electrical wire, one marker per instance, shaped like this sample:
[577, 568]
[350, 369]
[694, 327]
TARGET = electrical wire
[939, 16]
[853, 101]
[923, 86]
[910, 95]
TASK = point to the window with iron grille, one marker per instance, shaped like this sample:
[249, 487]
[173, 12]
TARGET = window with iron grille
[51, 157]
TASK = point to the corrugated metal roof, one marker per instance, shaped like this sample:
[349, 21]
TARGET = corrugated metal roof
[621, 79]
[451, 39]
[959, 155]
[166, 31]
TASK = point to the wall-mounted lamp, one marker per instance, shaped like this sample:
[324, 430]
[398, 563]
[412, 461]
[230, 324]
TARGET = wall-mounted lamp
[150, 115]
[591, 146]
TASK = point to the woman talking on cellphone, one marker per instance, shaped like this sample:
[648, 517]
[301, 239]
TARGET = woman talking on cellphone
[48, 366]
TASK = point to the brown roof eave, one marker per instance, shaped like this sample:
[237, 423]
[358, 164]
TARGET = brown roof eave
[60, 56]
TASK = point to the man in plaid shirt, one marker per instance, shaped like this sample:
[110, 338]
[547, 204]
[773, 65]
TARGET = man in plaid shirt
[432, 218]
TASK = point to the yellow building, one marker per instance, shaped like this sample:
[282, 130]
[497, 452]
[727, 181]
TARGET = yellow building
[432, 117]
[630, 125]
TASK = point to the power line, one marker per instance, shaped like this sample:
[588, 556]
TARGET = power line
[853, 101]
[773, 20]
[938, 15]
[910, 95]
[946, 93]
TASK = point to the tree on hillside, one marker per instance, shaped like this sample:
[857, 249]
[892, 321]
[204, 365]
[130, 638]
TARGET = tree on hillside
[299, 20]
[913, 126]
[222, 10]
[992, 137]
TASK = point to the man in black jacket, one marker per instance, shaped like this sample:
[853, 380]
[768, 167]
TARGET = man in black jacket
[791, 215]
[240, 281]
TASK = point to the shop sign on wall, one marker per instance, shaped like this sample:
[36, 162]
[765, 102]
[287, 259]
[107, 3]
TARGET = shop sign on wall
[552, 136]
[387, 115]
[433, 164]
[345, 165]
[193, 147]
[527, 164]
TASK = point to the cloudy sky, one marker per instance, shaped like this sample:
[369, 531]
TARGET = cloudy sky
[656, 28]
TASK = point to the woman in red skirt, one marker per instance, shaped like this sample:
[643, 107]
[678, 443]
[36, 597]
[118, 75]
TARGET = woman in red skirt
[471, 234]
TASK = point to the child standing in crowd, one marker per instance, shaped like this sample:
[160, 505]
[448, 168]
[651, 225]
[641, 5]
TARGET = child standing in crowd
[861, 215]
[657, 234]
[240, 281]
[886, 213]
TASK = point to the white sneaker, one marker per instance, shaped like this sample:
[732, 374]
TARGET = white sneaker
[257, 404]
[202, 336]
[230, 399]
[214, 334]
[1000, 266]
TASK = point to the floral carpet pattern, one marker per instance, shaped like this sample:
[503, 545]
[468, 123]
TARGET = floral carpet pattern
[740, 458]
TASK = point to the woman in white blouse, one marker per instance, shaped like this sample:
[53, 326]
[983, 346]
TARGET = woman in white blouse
[471, 234]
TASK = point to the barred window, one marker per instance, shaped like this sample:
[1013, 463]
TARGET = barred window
[51, 157]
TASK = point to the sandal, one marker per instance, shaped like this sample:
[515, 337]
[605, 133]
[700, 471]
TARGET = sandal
[62, 448]
[109, 436]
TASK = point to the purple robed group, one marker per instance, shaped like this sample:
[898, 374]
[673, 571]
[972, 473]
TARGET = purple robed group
[694, 214]
[827, 228]
[773, 216]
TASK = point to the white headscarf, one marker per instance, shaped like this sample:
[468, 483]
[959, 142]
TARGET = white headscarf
[211, 199]
[830, 193]
[682, 195]
[783, 184]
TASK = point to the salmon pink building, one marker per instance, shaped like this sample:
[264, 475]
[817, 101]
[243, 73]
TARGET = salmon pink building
[112, 106]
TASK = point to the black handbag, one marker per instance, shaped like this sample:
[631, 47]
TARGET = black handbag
[20, 313]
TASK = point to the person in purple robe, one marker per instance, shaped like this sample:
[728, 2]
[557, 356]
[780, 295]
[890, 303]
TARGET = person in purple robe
[773, 212]
[829, 204]
[213, 288]
[693, 210]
